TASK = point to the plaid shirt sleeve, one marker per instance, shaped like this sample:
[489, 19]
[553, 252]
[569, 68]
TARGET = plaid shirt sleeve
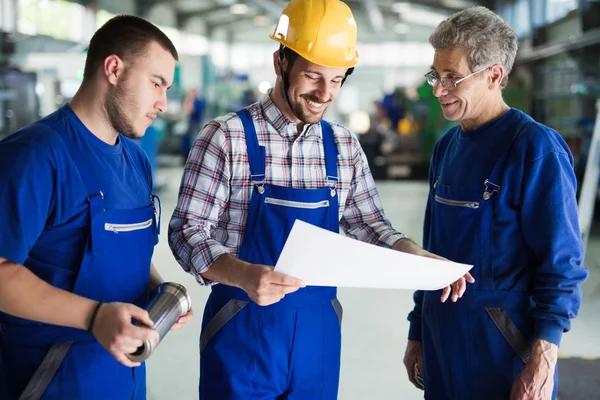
[363, 218]
[203, 195]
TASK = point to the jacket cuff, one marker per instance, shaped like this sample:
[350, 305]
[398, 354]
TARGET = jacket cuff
[414, 332]
[548, 330]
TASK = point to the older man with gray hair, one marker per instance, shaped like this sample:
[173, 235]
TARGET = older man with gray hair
[502, 197]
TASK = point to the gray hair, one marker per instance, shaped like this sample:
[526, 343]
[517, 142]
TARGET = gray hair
[489, 39]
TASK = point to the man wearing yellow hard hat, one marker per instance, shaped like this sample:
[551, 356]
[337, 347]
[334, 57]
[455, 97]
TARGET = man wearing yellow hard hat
[248, 177]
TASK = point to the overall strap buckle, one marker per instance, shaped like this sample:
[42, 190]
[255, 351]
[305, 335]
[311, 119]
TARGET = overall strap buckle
[494, 189]
[259, 181]
[332, 182]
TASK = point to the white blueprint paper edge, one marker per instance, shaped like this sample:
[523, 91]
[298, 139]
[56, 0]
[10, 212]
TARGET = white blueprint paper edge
[323, 258]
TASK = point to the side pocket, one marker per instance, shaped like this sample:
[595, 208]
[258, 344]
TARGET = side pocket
[339, 310]
[229, 310]
[511, 333]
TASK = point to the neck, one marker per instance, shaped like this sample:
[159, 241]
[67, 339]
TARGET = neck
[92, 112]
[494, 111]
[280, 100]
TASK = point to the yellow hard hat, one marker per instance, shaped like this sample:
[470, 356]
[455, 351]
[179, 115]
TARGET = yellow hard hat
[321, 31]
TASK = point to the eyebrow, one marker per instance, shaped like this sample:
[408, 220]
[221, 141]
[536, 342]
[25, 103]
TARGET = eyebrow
[309, 71]
[444, 70]
[162, 80]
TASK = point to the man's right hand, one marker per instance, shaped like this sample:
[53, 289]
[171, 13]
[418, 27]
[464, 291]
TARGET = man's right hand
[413, 361]
[266, 287]
[118, 335]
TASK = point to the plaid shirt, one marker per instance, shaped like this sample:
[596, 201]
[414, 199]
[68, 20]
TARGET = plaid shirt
[215, 191]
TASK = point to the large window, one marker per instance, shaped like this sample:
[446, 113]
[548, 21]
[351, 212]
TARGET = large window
[59, 18]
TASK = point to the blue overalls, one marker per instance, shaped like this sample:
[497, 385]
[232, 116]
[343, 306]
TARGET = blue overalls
[474, 348]
[115, 267]
[291, 349]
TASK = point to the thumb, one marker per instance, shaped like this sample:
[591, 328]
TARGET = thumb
[141, 315]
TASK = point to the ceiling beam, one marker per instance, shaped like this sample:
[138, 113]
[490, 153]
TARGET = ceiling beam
[269, 7]
[184, 16]
[374, 16]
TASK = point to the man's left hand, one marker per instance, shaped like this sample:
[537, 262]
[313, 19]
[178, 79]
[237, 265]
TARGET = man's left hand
[536, 381]
[183, 320]
[457, 288]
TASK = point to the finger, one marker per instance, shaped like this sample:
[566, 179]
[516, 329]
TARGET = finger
[286, 280]
[143, 333]
[140, 314]
[129, 350]
[122, 358]
[455, 290]
[129, 343]
[462, 287]
[445, 294]
[469, 278]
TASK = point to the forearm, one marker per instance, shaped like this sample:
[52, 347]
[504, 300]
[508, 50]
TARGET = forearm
[406, 245]
[228, 270]
[42, 302]
[544, 355]
[155, 278]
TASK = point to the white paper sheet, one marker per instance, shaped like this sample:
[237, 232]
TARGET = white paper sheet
[323, 258]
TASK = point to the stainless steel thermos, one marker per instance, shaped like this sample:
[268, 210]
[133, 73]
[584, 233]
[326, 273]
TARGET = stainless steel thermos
[169, 301]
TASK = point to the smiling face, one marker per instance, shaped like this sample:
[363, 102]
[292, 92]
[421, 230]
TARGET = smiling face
[312, 89]
[469, 101]
[141, 92]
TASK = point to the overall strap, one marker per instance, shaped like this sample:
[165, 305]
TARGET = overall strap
[43, 375]
[256, 153]
[95, 196]
[331, 152]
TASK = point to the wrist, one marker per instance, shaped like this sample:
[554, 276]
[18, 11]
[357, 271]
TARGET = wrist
[94, 316]
[544, 355]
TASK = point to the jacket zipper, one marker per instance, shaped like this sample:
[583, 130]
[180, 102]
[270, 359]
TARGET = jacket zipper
[457, 203]
[296, 204]
[116, 228]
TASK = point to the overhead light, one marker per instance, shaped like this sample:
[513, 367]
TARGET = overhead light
[238, 9]
[261, 20]
[458, 4]
[401, 7]
[401, 28]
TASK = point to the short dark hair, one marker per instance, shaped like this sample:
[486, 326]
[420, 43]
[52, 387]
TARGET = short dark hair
[289, 54]
[126, 36]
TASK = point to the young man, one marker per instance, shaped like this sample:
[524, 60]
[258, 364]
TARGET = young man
[249, 176]
[79, 226]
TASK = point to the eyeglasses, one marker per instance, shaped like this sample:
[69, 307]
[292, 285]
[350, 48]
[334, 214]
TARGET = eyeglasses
[447, 83]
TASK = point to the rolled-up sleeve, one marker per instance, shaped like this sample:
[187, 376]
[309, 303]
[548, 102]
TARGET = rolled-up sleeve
[363, 218]
[203, 195]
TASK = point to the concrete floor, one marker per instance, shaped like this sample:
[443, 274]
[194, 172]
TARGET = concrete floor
[374, 329]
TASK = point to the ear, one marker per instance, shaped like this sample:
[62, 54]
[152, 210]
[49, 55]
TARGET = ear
[276, 62]
[496, 75]
[113, 68]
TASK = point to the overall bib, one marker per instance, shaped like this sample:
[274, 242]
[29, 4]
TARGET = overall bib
[115, 267]
[291, 349]
[475, 348]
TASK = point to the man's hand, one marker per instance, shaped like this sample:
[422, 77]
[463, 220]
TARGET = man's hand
[457, 288]
[413, 361]
[536, 381]
[184, 319]
[116, 333]
[266, 287]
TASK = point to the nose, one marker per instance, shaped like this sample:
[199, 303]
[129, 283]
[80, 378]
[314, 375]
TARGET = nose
[161, 104]
[439, 90]
[323, 90]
